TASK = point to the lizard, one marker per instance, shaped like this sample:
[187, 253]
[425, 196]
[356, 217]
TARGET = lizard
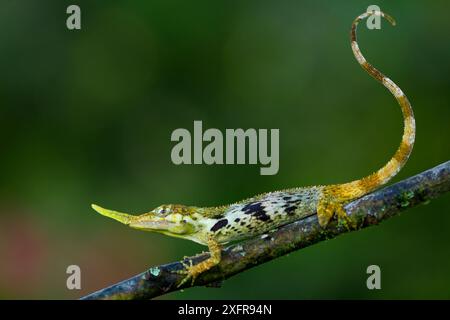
[216, 226]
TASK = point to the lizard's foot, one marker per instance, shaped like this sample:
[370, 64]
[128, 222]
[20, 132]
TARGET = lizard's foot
[193, 271]
[329, 207]
[190, 274]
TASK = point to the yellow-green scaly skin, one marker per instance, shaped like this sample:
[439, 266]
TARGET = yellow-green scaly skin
[234, 222]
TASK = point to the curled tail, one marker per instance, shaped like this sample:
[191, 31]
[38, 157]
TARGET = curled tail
[358, 188]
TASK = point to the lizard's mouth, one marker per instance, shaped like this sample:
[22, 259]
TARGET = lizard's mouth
[156, 224]
[147, 222]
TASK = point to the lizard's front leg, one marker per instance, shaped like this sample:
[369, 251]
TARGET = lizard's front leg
[193, 271]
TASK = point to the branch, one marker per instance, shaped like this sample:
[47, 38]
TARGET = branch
[367, 211]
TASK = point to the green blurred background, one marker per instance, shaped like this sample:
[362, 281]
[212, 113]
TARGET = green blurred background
[86, 116]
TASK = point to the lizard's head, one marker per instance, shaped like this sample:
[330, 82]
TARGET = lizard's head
[173, 219]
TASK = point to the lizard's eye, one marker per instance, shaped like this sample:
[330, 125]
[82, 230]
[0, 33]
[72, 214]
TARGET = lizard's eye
[163, 210]
[160, 210]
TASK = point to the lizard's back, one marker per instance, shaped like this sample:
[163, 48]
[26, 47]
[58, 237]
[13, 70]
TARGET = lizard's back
[258, 215]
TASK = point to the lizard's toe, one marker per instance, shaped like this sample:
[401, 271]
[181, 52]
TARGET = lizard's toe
[325, 212]
[328, 208]
[190, 271]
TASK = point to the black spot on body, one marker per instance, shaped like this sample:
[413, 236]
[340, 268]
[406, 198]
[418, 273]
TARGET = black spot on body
[291, 210]
[219, 224]
[256, 209]
[237, 220]
[262, 216]
[253, 207]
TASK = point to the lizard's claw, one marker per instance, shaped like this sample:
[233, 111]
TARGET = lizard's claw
[344, 218]
[327, 208]
[190, 272]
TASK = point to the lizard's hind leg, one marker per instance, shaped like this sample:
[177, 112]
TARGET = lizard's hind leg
[329, 206]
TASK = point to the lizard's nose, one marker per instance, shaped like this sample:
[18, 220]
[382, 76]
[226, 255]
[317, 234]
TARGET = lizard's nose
[119, 216]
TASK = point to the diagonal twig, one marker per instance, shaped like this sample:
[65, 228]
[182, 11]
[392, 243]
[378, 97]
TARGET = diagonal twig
[367, 211]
